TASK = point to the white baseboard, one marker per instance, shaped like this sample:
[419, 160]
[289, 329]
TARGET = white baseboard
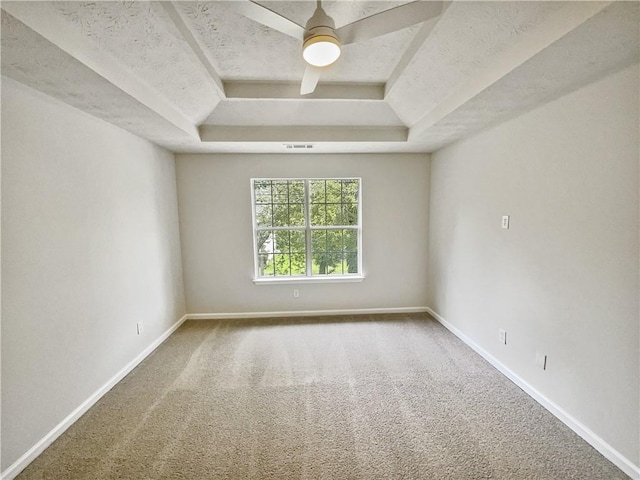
[20, 464]
[589, 436]
[615, 457]
[304, 313]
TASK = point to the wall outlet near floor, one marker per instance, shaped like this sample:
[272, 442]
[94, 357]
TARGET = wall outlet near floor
[541, 360]
[139, 327]
[296, 293]
[505, 221]
[502, 336]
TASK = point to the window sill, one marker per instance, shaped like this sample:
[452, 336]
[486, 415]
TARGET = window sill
[327, 279]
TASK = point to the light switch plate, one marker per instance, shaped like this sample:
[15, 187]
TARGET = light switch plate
[502, 336]
[541, 360]
[505, 221]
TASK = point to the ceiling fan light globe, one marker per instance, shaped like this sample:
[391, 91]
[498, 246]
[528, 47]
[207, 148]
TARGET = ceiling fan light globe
[321, 50]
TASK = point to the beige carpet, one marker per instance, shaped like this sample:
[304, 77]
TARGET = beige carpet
[377, 397]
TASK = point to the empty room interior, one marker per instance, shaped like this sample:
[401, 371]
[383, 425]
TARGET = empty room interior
[320, 240]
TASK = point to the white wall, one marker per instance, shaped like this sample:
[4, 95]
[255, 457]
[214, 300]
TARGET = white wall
[563, 280]
[90, 246]
[214, 198]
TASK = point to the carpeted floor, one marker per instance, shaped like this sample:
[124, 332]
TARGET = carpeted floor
[375, 397]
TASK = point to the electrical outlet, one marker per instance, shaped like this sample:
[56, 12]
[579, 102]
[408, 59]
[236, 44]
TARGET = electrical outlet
[296, 293]
[541, 360]
[505, 222]
[502, 335]
[139, 327]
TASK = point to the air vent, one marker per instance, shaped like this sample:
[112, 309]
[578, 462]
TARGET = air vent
[298, 146]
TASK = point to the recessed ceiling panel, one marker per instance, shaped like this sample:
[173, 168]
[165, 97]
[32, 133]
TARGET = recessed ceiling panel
[342, 12]
[129, 64]
[298, 112]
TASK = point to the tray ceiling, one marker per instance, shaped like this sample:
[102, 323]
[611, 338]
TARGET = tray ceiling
[201, 77]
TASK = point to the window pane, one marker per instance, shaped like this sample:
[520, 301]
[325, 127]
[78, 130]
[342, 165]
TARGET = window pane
[296, 215]
[289, 249]
[334, 189]
[350, 240]
[297, 242]
[351, 262]
[316, 188]
[296, 191]
[318, 240]
[318, 214]
[289, 264]
[265, 265]
[282, 266]
[298, 264]
[263, 215]
[287, 241]
[280, 203]
[349, 214]
[280, 215]
[280, 190]
[334, 202]
[333, 215]
[326, 252]
[262, 191]
[350, 191]
[350, 250]
[326, 263]
[334, 251]
[281, 244]
[264, 242]
[334, 240]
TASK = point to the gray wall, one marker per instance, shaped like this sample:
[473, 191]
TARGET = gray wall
[90, 246]
[216, 230]
[563, 280]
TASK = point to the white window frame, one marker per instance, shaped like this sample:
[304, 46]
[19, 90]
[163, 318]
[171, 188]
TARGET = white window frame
[307, 228]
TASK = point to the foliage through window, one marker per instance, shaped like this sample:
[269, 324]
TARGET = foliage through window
[306, 227]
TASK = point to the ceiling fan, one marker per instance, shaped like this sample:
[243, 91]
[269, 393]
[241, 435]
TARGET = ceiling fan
[322, 41]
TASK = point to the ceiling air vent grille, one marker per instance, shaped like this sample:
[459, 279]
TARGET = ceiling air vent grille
[298, 146]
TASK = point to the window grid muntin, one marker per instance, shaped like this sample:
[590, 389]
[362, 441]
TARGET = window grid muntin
[342, 205]
[308, 228]
[341, 251]
[275, 200]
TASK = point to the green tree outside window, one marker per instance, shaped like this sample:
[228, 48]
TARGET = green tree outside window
[295, 217]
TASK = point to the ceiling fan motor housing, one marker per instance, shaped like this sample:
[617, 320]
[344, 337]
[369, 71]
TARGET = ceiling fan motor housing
[321, 29]
[320, 24]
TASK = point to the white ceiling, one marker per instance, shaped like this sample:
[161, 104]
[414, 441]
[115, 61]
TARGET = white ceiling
[201, 77]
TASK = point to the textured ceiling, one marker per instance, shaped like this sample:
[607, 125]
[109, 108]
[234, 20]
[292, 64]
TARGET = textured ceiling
[548, 75]
[448, 56]
[33, 61]
[246, 50]
[139, 35]
[176, 72]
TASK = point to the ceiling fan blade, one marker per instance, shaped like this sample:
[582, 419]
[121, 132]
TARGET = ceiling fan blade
[271, 19]
[388, 21]
[310, 79]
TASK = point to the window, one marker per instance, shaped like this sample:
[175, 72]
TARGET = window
[307, 229]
